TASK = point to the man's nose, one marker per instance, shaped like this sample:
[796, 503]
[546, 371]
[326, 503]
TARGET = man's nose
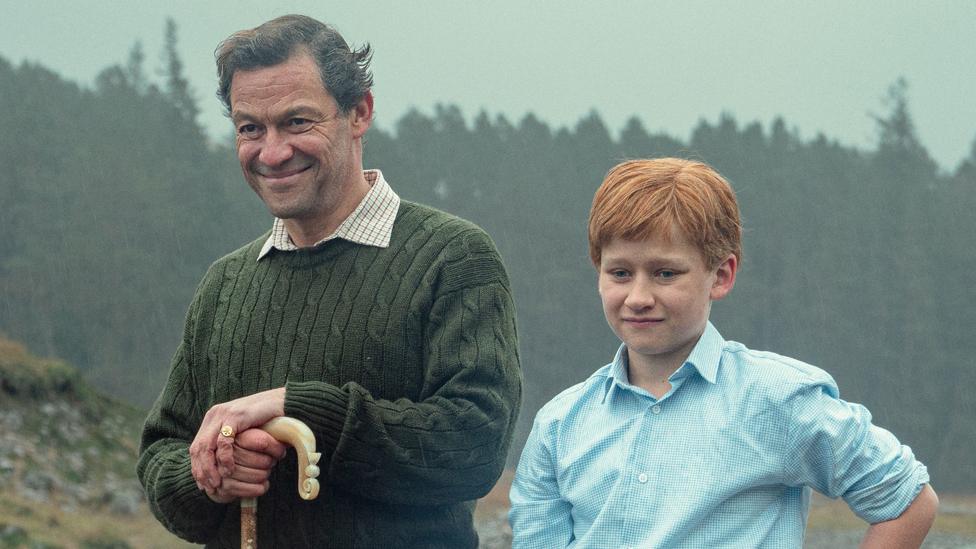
[276, 149]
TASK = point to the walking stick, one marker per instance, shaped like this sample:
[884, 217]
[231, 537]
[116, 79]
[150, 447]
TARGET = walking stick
[297, 434]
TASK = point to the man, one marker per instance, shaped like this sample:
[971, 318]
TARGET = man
[386, 326]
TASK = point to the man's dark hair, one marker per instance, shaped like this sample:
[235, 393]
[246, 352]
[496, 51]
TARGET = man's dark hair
[344, 72]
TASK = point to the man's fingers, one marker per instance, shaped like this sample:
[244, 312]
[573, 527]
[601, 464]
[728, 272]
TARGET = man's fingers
[225, 456]
[260, 441]
[254, 460]
[212, 451]
[233, 488]
[249, 475]
[202, 463]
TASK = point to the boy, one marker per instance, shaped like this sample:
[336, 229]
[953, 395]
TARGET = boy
[685, 439]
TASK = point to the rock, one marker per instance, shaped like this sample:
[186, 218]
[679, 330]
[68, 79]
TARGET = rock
[126, 502]
[38, 486]
[39, 481]
[12, 536]
[123, 497]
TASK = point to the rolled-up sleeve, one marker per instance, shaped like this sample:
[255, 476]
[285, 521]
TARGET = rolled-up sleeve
[834, 448]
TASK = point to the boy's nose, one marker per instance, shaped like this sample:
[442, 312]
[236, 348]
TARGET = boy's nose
[640, 297]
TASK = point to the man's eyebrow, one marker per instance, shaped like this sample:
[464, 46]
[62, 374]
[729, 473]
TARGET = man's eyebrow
[238, 116]
[310, 111]
[298, 110]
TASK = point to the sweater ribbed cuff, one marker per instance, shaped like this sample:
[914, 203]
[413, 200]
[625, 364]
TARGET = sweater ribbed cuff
[190, 513]
[322, 407]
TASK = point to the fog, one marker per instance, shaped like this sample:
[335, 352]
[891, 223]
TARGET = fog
[848, 132]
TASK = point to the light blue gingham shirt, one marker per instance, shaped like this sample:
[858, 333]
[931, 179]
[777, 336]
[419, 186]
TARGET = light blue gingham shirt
[726, 458]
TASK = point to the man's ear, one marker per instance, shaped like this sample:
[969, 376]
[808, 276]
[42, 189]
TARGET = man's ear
[724, 278]
[362, 115]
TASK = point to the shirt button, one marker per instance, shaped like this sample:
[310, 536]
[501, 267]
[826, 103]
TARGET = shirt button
[656, 409]
[642, 478]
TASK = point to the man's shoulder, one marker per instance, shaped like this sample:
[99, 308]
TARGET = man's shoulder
[234, 261]
[247, 252]
[414, 217]
[460, 254]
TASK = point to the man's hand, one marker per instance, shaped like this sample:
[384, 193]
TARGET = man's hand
[212, 455]
[253, 455]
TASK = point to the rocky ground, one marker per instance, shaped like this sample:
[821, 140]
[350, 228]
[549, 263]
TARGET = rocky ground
[61, 465]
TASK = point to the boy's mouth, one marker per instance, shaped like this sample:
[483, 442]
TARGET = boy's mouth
[643, 321]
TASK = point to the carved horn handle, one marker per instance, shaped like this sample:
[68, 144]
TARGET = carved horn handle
[297, 434]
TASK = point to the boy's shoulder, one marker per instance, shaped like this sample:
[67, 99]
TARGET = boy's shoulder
[573, 397]
[745, 367]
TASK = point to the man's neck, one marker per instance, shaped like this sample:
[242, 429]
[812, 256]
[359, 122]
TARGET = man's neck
[305, 232]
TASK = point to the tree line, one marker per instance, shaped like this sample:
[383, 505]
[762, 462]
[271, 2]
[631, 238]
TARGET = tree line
[858, 261]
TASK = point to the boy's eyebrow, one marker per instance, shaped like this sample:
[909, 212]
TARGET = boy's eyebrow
[657, 260]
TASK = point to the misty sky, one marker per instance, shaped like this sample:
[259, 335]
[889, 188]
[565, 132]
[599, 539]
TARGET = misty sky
[824, 66]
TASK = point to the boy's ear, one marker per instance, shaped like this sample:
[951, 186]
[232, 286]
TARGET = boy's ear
[724, 278]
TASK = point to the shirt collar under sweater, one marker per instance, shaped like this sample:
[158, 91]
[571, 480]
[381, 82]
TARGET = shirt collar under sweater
[370, 224]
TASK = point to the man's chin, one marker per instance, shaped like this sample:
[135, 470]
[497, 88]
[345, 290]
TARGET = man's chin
[285, 211]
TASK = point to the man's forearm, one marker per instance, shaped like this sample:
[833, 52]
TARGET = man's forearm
[908, 530]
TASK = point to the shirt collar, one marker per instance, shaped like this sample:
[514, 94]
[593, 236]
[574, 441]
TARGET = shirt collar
[707, 354]
[704, 358]
[370, 224]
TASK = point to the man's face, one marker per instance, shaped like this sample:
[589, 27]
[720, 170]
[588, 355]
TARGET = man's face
[657, 295]
[297, 150]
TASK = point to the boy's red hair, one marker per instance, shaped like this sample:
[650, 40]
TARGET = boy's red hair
[641, 198]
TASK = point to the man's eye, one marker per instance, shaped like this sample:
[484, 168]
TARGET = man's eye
[619, 273]
[248, 131]
[299, 123]
[666, 274]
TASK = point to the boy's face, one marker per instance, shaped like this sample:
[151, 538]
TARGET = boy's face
[657, 294]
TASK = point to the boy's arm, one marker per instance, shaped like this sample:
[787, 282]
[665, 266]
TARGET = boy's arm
[539, 516]
[834, 448]
[908, 530]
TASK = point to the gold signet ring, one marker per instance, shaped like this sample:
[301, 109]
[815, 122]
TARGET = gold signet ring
[227, 431]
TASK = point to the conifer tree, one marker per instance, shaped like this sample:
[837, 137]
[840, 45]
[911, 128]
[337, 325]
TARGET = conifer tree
[177, 87]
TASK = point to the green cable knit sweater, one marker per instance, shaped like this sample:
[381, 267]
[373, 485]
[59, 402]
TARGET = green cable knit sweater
[403, 361]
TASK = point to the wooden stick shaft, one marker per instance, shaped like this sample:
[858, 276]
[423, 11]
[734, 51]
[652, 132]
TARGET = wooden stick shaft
[249, 523]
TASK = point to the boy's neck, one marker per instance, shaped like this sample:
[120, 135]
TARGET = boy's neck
[652, 376]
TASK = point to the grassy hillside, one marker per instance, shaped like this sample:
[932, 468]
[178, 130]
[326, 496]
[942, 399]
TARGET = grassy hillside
[67, 461]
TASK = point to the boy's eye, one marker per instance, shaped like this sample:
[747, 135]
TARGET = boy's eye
[619, 273]
[666, 274]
